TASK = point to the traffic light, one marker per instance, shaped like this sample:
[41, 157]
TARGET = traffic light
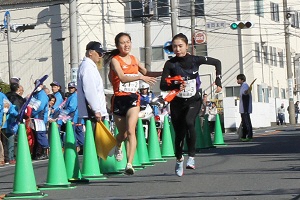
[241, 25]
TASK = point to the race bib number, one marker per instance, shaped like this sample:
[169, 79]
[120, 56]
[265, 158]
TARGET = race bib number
[131, 87]
[190, 89]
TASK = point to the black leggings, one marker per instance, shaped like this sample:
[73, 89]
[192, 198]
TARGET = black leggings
[183, 115]
[247, 126]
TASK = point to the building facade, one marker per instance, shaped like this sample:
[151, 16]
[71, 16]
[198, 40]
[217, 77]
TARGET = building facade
[259, 52]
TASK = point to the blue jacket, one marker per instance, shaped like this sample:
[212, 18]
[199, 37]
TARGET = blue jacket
[71, 107]
[59, 100]
[10, 118]
[2, 97]
[42, 111]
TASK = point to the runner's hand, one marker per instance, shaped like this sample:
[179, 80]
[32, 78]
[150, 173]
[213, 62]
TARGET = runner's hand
[182, 86]
[149, 79]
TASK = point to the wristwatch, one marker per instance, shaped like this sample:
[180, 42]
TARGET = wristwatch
[219, 76]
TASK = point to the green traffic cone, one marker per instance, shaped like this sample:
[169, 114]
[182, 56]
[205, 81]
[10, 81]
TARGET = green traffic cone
[136, 161]
[122, 164]
[218, 140]
[57, 174]
[172, 134]
[71, 156]
[106, 123]
[167, 149]
[109, 166]
[206, 134]
[199, 138]
[24, 179]
[90, 163]
[141, 145]
[153, 144]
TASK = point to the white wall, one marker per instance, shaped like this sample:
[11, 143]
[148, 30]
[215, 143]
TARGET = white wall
[262, 116]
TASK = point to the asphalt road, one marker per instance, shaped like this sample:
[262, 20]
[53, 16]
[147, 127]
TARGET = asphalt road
[266, 168]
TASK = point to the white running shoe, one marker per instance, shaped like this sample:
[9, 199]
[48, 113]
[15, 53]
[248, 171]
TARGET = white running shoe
[118, 153]
[179, 167]
[190, 164]
[129, 169]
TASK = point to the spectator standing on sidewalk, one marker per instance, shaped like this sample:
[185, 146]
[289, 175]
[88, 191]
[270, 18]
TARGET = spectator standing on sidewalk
[212, 112]
[90, 87]
[2, 97]
[245, 108]
[296, 111]
[56, 91]
[9, 117]
[281, 114]
[203, 109]
[39, 104]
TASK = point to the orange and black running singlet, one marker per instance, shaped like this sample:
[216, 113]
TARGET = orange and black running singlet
[132, 69]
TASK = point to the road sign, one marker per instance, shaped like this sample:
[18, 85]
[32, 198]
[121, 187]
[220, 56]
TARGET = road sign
[168, 47]
[200, 37]
[7, 14]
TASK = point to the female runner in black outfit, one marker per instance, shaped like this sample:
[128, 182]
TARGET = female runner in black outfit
[186, 105]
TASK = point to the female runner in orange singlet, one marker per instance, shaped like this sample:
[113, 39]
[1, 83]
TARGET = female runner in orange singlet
[125, 73]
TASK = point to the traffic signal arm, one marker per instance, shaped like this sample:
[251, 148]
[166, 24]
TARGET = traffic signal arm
[241, 25]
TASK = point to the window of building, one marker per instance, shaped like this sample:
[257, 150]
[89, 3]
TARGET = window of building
[276, 92]
[266, 56]
[274, 11]
[295, 20]
[257, 52]
[259, 7]
[263, 93]
[280, 59]
[184, 7]
[271, 56]
[163, 8]
[200, 49]
[134, 10]
[282, 90]
[274, 56]
[157, 54]
[233, 91]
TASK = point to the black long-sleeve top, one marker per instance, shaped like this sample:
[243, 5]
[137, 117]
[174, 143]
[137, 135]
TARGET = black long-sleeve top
[188, 68]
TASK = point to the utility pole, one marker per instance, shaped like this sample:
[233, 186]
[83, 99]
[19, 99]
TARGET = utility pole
[10, 68]
[193, 25]
[289, 63]
[173, 17]
[73, 40]
[104, 44]
[239, 32]
[147, 14]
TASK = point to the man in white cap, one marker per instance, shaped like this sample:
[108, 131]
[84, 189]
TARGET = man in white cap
[90, 90]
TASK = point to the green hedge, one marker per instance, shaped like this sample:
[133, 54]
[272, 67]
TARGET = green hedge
[4, 87]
